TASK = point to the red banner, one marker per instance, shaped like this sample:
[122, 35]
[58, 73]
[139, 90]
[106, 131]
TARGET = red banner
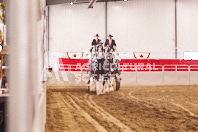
[133, 65]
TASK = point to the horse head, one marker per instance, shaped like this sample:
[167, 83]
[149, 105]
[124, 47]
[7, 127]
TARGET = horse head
[100, 51]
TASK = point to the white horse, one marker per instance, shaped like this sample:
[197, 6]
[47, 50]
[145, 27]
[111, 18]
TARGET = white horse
[92, 58]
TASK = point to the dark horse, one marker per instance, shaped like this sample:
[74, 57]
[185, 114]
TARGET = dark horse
[104, 69]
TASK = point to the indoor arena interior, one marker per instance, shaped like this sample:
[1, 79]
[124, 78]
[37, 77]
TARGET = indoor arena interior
[99, 66]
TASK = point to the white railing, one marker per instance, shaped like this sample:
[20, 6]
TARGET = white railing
[135, 68]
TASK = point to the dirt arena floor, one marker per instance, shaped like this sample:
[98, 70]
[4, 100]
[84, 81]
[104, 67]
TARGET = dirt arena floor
[138, 108]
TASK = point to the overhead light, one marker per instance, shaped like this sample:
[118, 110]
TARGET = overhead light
[125, 0]
[71, 3]
[91, 3]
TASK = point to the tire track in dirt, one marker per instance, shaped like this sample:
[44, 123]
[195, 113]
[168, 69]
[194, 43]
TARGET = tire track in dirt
[84, 114]
[108, 116]
[54, 124]
[160, 115]
[178, 105]
[153, 105]
[103, 114]
[195, 105]
[60, 112]
[170, 102]
[148, 105]
[100, 117]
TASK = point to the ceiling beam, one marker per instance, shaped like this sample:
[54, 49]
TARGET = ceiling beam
[55, 2]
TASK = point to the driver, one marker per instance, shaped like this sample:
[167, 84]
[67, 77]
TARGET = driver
[96, 41]
[110, 42]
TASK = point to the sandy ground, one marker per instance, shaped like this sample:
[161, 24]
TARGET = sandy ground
[138, 108]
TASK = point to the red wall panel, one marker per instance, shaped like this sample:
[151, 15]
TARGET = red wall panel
[132, 65]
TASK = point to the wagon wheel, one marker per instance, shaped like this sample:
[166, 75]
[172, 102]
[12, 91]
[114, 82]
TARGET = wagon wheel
[1, 119]
[88, 89]
[114, 84]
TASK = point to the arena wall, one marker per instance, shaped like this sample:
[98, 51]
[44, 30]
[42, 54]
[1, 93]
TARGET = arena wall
[72, 27]
[65, 78]
[187, 26]
[143, 26]
[158, 72]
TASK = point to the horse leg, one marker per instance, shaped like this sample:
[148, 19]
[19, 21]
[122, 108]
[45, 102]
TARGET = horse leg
[102, 84]
[112, 83]
[106, 84]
